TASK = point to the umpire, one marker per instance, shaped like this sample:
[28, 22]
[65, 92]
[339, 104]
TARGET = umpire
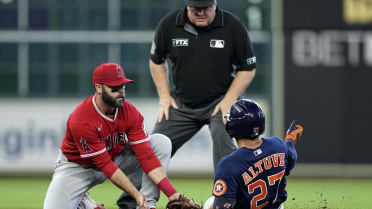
[213, 63]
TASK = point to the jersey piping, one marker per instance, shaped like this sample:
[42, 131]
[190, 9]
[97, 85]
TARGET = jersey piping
[101, 114]
[93, 154]
[139, 141]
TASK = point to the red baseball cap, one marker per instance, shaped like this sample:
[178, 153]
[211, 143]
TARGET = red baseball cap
[110, 74]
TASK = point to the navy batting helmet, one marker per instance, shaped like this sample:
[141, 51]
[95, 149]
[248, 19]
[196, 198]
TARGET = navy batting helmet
[246, 119]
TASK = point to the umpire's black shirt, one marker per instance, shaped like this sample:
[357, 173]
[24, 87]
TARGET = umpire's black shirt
[203, 58]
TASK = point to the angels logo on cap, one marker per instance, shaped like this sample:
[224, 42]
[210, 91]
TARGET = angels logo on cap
[119, 72]
[110, 74]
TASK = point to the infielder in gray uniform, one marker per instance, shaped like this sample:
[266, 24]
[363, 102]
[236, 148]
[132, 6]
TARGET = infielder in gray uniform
[105, 138]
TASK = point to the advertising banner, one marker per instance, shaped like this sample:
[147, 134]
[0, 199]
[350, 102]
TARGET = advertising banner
[328, 71]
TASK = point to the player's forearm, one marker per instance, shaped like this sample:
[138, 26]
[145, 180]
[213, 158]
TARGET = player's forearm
[292, 158]
[122, 181]
[159, 177]
[239, 84]
[159, 74]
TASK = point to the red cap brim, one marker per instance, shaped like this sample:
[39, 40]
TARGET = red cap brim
[119, 82]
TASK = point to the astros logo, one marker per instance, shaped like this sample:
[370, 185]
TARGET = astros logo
[219, 188]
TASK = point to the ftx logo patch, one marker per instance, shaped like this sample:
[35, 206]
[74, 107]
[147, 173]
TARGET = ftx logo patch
[180, 42]
[217, 43]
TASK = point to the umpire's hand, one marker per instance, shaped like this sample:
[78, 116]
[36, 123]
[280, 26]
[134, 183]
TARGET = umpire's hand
[164, 104]
[224, 106]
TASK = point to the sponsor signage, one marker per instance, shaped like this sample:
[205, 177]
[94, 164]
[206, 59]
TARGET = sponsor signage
[328, 71]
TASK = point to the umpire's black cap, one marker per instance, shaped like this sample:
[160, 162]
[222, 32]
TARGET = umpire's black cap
[200, 3]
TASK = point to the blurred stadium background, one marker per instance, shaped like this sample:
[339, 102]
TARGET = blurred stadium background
[314, 63]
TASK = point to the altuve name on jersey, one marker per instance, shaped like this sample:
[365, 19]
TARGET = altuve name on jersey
[274, 160]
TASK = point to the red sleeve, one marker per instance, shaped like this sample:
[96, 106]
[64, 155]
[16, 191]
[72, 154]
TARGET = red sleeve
[139, 141]
[146, 156]
[136, 131]
[91, 147]
[104, 162]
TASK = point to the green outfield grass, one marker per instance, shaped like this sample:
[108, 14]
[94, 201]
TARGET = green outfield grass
[309, 193]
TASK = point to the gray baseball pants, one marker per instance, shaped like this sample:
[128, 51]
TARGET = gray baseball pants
[71, 181]
[185, 122]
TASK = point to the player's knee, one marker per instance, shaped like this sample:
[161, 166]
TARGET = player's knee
[161, 144]
[209, 203]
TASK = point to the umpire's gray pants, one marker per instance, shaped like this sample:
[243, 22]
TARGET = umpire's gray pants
[185, 122]
[71, 181]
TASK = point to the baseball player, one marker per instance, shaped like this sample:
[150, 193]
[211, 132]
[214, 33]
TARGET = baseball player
[254, 175]
[106, 138]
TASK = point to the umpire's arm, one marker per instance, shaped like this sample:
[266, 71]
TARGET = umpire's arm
[239, 84]
[159, 73]
[237, 87]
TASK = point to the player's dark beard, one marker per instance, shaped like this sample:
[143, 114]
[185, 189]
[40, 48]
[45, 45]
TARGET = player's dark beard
[111, 101]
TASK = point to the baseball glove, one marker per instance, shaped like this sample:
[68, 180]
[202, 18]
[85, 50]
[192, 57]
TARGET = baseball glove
[182, 203]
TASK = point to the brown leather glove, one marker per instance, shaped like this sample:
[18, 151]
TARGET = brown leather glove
[182, 203]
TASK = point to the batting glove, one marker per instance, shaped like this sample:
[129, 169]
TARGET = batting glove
[294, 133]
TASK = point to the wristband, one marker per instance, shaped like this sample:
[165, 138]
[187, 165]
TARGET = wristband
[166, 186]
